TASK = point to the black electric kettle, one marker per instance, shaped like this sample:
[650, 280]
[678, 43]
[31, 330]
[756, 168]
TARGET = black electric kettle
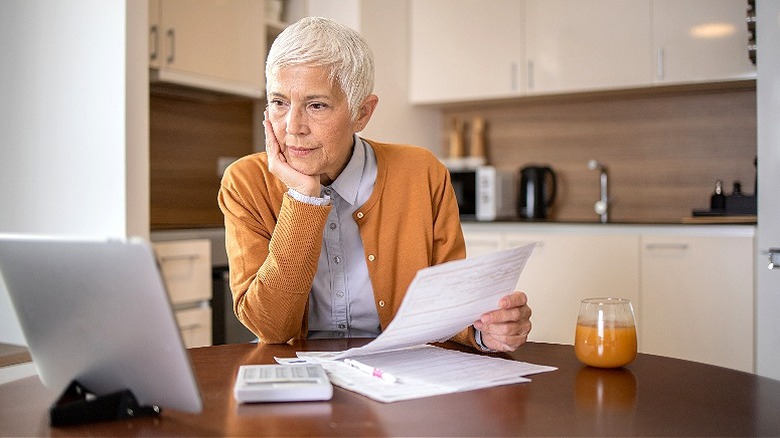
[537, 192]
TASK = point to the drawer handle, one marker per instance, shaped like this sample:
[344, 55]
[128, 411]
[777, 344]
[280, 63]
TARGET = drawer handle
[188, 327]
[175, 258]
[656, 246]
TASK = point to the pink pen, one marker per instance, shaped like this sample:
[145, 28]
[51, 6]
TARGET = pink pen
[376, 372]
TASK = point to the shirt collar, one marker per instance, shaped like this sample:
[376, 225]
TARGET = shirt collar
[348, 182]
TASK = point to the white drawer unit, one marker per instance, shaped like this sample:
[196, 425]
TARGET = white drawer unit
[195, 326]
[186, 270]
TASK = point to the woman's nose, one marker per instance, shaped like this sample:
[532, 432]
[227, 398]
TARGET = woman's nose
[296, 122]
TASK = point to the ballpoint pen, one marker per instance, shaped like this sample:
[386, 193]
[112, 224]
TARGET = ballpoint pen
[376, 372]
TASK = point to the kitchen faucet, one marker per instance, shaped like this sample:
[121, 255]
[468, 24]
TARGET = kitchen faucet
[601, 207]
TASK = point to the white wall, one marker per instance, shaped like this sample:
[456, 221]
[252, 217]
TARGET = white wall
[384, 24]
[74, 113]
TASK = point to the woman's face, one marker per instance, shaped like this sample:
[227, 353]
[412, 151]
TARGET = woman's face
[311, 121]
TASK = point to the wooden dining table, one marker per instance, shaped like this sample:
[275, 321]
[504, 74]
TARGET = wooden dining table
[652, 396]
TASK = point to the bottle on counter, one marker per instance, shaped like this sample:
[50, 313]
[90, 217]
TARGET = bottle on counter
[478, 138]
[457, 149]
[718, 199]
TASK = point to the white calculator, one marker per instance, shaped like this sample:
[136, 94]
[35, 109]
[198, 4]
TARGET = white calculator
[282, 383]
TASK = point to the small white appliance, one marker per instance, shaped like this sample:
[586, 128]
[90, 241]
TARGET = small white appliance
[485, 193]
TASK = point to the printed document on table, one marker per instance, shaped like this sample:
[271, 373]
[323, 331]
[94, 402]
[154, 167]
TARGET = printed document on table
[444, 299]
[425, 371]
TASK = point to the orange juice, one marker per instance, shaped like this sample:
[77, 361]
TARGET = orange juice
[615, 348]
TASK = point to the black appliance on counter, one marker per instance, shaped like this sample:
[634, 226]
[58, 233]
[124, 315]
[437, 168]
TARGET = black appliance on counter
[536, 192]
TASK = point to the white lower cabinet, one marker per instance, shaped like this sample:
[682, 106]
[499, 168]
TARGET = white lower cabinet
[185, 266]
[691, 286]
[195, 326]
[697, 298]
[564, 269]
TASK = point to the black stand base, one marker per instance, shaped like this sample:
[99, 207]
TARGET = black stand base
[77, 405]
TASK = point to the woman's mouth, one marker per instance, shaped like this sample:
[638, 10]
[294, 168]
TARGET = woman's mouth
[298, 151]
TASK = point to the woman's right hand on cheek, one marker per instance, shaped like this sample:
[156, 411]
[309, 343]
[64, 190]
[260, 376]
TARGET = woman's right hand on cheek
[278, 165]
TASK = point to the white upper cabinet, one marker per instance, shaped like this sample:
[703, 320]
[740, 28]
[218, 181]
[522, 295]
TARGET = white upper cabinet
[575, 45]
[701, 41]
[210, 44]
[465, 50]
[468, 50]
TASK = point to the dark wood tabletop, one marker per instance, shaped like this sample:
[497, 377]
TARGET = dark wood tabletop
[653, 396]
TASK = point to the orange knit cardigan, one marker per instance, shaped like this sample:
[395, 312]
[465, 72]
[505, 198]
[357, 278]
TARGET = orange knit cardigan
[273, 242]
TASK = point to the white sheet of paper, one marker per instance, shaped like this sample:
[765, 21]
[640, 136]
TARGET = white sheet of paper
[425, 371]
[444, 299]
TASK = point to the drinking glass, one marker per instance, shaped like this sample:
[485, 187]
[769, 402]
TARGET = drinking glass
[606, 332]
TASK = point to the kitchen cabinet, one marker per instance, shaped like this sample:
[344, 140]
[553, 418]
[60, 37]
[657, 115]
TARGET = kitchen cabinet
[185, 266]
[566, 268]
[700, 41]
[578, 45]
[209, 44]
[465, 50]
[691, 286]
[697, 298]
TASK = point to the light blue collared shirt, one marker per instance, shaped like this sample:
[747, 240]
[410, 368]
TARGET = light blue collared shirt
[341, 303]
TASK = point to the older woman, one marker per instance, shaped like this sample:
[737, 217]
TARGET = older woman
[325, 230]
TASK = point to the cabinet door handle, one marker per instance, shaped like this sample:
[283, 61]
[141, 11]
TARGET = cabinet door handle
[172, 258]
[530, 75]
[154, 36]
[678, 246]
[660, 67]
[189, 327]
[172, 40]
[774, 258]
[513, 76]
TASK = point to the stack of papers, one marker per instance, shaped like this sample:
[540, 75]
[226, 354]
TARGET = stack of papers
[440, 302]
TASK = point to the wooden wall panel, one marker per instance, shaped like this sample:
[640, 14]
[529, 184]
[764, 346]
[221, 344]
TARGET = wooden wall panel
[664, 150]
[187, 138]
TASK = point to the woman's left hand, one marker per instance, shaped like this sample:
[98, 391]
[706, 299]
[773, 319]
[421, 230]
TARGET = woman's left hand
[507, 327]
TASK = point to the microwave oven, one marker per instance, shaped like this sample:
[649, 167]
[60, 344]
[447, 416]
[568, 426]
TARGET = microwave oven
[485, 193]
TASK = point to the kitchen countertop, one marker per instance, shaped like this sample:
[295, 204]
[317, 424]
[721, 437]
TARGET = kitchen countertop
[13, 355]
[698, 220]
[554, 227]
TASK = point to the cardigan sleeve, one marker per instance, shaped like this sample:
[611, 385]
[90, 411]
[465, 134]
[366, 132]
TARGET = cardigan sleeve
[273, 259]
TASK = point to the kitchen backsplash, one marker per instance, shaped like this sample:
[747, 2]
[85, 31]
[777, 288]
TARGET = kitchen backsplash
[189, 140]
[664, 150]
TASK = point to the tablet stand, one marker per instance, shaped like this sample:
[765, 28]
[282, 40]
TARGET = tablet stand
[78, 405]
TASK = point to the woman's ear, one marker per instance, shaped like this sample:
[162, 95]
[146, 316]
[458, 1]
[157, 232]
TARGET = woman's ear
[365, 112]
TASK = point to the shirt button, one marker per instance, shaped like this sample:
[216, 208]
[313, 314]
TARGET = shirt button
[360, 215]
[371, 257]
[342, 326]
[340, 293]
[337, 260]
[342, 334]
[332, 225]
[381, 303]
[327, 192]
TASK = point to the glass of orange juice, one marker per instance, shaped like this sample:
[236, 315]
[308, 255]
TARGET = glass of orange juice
[606, 332]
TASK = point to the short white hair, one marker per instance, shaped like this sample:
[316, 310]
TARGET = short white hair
[317, 41]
